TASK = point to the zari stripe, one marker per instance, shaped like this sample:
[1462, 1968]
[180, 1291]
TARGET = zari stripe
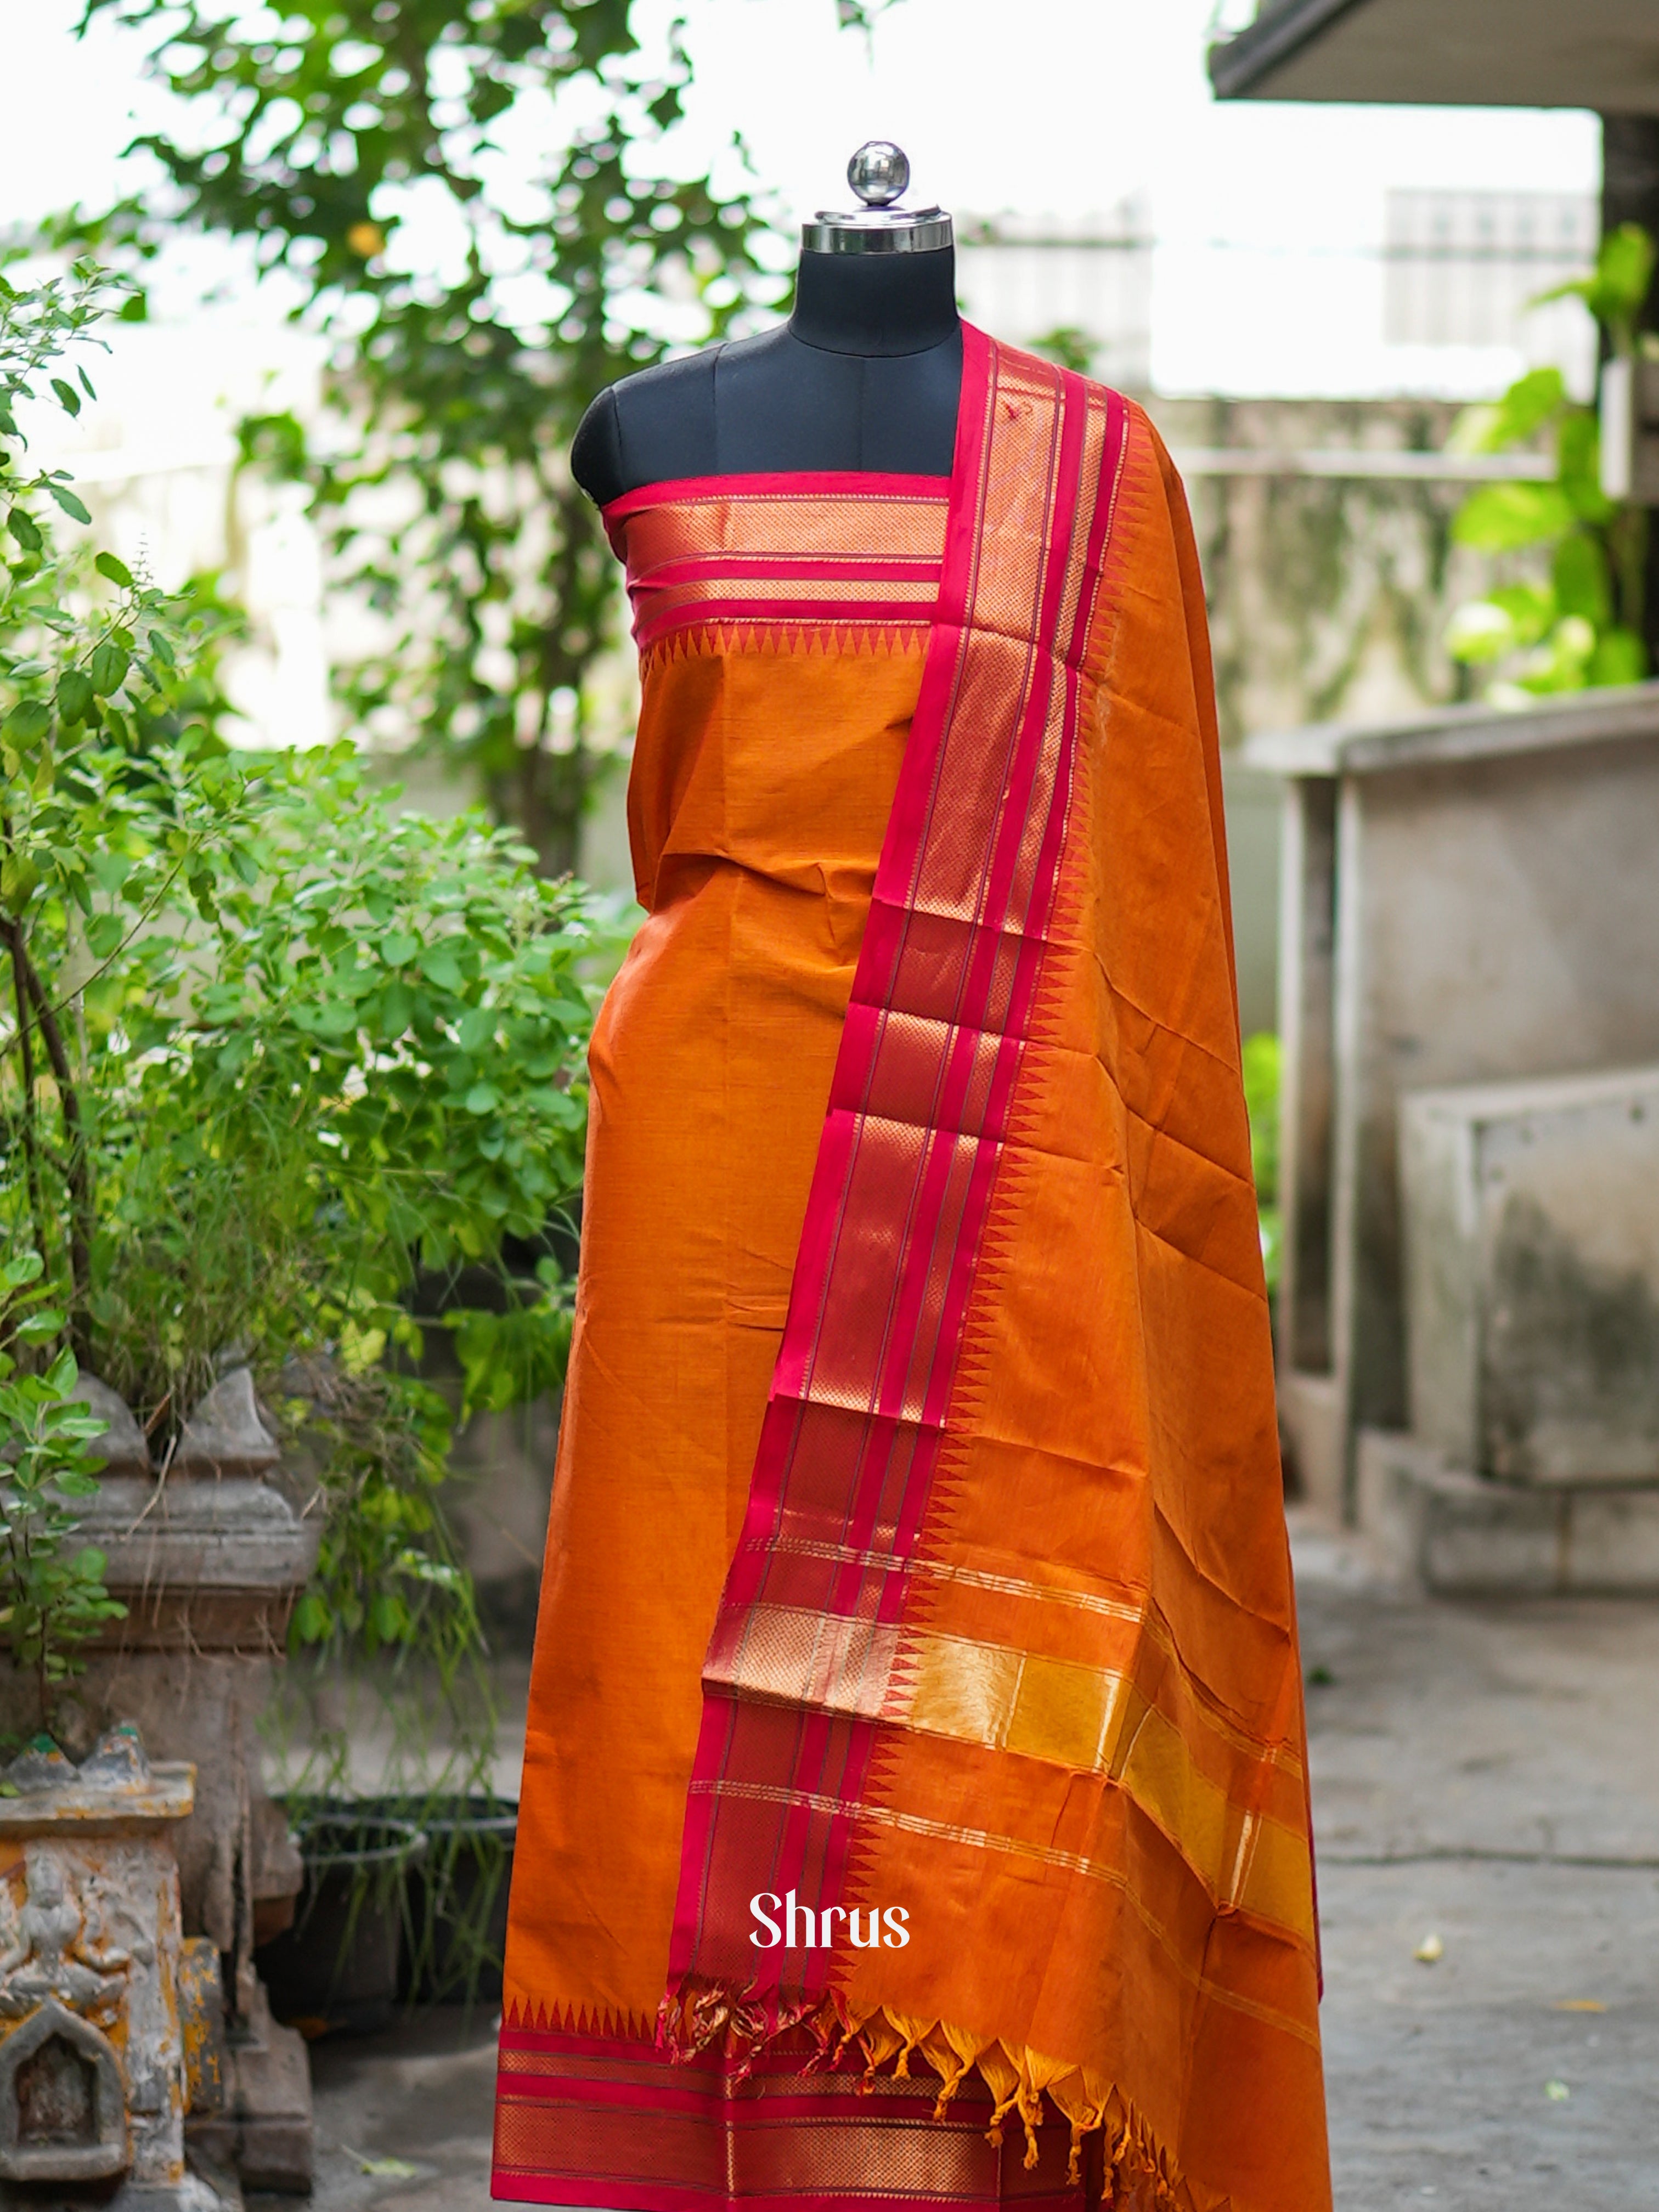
[746, 549]
[586, 2118]
[930, 1055]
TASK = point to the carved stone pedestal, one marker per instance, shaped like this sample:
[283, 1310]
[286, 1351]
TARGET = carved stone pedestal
[208, 1555]
[110, 2017]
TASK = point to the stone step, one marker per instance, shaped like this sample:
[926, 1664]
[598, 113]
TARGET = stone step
[1441, 1528]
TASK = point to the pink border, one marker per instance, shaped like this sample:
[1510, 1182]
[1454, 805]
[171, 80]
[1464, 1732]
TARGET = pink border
[778, 1986]
[824, 483]
[513, 2186]
[861, 2101]
[694, 568]
[782, 615]
[901, 849]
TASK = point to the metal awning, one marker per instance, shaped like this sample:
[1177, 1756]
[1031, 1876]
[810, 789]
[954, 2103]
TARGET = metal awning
[1601, 54]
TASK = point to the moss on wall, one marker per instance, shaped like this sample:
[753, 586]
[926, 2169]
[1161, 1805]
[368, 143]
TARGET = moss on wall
[1328, 596]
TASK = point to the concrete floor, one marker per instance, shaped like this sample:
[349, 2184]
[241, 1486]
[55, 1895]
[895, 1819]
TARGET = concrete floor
[1485, 1774]
[1489, 1775]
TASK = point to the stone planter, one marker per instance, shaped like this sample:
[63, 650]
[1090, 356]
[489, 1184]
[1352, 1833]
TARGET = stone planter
[111, 2027]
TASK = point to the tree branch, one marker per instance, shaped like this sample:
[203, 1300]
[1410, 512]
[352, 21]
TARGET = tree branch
[12, 932]
[83, 1208]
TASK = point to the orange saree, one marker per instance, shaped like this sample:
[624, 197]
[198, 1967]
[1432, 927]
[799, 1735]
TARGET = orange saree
[915, 1809]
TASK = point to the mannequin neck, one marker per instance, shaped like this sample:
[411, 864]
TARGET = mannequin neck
[876, 304]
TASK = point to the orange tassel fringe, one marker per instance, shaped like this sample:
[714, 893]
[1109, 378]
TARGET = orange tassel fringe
[1140, 2176]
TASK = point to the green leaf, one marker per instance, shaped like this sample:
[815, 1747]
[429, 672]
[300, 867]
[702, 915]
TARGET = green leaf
[23, 1267]
[103, 934]
[1624, 273]
[107, 668]
[1502, 517]
[29, 720]
[81, 1426]
[389, 1618]
[19, 881]
[397, 1010]
[482, 1098]
[1533, 609]
[72, 505]
[1617, 289]
[398, 948]
[1524, 410]
[1579, 457]
[439, 966]
[117, 571]
[1619, 657]
[112, 869]
[74, 695]
[1579, 572]
[25, 530]
[41, 1327]
[312, 1619]
[68, 397]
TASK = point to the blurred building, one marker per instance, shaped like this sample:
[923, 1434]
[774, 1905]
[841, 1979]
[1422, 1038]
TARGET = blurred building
[1598, 54]
[1464, 269]
[1088, 278]
[1439, 298]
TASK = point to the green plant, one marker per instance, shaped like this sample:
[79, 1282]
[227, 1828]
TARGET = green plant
[1581, 623]
[481, 204]
[284, 1064]
[329, 1064]
[137, 668]
[1069, 346]
[53, 1598]
[1261, 1087]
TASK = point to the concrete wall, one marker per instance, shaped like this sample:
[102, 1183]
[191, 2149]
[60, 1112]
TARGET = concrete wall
[1329, 595]
[1465, 900]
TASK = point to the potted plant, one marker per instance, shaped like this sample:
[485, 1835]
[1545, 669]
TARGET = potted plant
[336, 1969]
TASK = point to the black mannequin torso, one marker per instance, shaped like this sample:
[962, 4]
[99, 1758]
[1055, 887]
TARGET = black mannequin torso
[866, 374]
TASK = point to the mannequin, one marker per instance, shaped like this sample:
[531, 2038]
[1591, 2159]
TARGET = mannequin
[866, 374]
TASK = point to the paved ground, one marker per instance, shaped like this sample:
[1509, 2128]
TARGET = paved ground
[1487, 1775]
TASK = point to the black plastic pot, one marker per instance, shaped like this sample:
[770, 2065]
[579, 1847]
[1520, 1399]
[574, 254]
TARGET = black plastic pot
[455, 1934]
[336, 1970]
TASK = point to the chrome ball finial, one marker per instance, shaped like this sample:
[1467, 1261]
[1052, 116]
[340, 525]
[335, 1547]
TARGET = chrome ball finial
[878, 173]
